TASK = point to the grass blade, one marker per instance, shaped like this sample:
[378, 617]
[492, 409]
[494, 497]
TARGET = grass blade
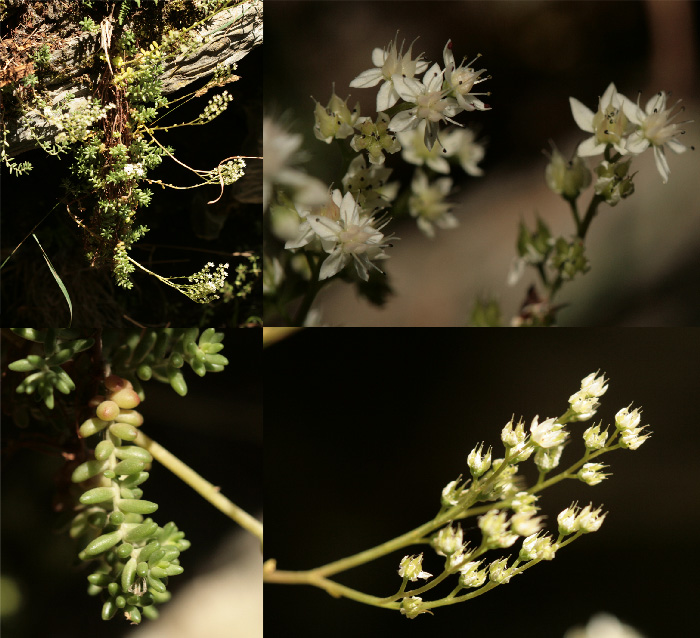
[58, 280]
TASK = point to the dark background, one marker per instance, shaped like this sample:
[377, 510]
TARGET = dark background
[363, 433]
[216, 429]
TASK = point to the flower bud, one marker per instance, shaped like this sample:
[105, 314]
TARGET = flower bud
[626, 420]
[412, 607]
[471, 576]
[612, 182]
[567, 179]
[591, 473]
[448, 540]
[567, 520]
[479, 464]
[546, 459]
[569, 258]
[594, 439]
[411, 567]
[589, 520]
[499, 572]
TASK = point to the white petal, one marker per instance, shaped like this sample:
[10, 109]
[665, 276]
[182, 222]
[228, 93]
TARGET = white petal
[589, 147]
[361, 268]
[637, 143]
[661, 163]
[607, 97]
[407, 88]
[582, 115]
[426, 227]
[632, 111]
[439, 165]
[676, 146]
[432, 79]
[378, 57]
[444, 185]
[657, 102]
[368, 78]
[387, 96]
[325, 228]
[333, 264]
[349, 210]
[447, 220]
[403, 121]
[448, 57]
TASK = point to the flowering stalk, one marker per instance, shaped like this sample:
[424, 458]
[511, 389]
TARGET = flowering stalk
[620, 130]
[509, 514]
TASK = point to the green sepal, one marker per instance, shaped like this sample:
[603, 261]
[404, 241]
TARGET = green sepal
[128, 574]
[97, 495]
[87, 470]
[141, 532]
[104, 450]
[123, 431]
[108, 610]
[129, 466]
[136, 506]
[103, 543]
[133, 452]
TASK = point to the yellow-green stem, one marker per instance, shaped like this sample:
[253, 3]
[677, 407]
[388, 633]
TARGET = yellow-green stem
[200, 485]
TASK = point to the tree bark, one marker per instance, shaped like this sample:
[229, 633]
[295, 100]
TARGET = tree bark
[228, 37]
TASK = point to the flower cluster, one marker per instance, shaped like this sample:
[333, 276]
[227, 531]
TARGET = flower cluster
[513, 513]
[215, 107]
[416, 101]
[623, 125]
[206, 283]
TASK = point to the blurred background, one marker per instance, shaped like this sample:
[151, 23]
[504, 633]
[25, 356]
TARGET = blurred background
[217, 430]
[644, 253]
[354, 458]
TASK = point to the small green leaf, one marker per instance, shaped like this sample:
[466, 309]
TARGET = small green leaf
[103, 543]
[133, 452]
[97, 495]
[87, 470]
[129, 574]
[136, 506]
[129, 466]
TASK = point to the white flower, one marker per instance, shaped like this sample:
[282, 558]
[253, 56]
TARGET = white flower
[594, 385]
[461, 143]
[133, 169]
[548, 433]
[470, 576]
[431, 101]
[656, 128]
[626, 420]
[347, 235]
[374, 138]
[389, 63]
[427, 204]
[281, 150]
[603, 626]
[591, 473]
[608, 124]
[462, 80]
